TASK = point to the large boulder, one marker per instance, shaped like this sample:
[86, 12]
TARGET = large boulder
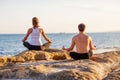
[33, 55]
[46, 66]
[49, 54]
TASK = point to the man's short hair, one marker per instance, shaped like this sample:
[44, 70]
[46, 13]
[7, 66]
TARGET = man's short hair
[81, 27]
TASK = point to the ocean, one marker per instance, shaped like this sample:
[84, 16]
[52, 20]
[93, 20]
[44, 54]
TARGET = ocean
[11, 44]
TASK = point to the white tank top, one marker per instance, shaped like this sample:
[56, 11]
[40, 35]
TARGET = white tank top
[35, 37]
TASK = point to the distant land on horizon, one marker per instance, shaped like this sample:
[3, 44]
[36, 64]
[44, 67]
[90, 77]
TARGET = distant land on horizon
[68, 32]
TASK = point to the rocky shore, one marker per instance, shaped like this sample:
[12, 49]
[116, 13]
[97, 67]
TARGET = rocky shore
[54, 64]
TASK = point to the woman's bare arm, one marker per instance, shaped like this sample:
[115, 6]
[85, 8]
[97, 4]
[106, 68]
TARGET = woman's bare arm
[44, 35]
[27, 34]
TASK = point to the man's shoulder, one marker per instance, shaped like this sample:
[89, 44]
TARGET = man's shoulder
[75, 36]
[89, 37]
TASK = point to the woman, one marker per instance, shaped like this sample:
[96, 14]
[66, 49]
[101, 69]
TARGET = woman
[35, 33]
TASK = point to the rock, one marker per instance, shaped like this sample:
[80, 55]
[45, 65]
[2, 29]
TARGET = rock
[55, 64]
[3, 59]
[54, 54]
[114, 75]
[29, 55]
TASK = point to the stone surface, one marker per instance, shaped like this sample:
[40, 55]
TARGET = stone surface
[54, 64]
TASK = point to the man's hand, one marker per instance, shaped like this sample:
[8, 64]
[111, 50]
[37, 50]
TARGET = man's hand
[63, 48]
[94, 47]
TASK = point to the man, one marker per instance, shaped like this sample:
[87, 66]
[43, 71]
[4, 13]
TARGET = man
[83, 44]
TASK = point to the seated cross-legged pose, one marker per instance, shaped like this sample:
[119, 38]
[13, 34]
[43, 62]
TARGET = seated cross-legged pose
[83, 43]
[35, 33]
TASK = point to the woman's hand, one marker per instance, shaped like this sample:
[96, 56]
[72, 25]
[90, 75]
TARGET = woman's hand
[23, 40]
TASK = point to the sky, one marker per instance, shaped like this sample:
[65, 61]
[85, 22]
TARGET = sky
[59, 16]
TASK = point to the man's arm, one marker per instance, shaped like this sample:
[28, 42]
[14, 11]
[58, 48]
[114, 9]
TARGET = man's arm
[91, 44]
[44, 35]
[71, 47]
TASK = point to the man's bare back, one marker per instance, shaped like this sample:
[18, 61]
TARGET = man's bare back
[82, 43]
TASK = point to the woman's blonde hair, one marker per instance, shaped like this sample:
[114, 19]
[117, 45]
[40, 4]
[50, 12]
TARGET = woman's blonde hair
[35, 21]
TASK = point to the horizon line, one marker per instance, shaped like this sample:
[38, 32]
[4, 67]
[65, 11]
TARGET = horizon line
[68, 32]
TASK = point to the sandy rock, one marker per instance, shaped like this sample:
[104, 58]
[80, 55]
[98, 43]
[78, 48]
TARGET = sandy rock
[104, 66]
[3, 59]
[114, 75]
[29, 55]
[54, 54]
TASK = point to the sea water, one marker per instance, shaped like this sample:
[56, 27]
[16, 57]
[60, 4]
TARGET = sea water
[11, 44]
